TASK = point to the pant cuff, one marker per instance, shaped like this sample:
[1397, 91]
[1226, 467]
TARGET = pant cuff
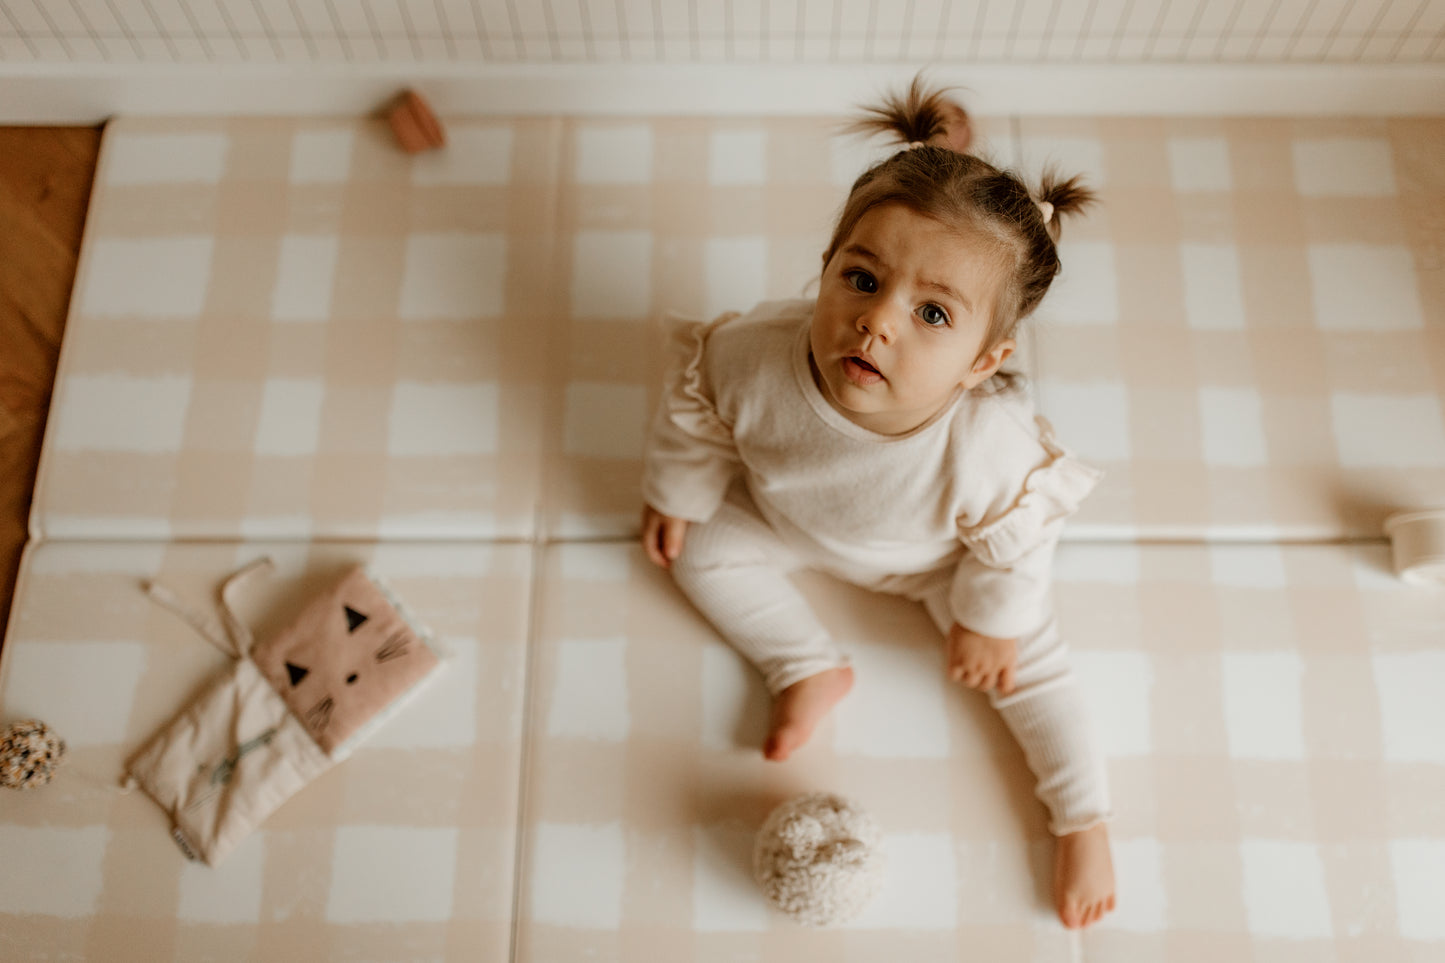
[778, 679]
[1067, 827]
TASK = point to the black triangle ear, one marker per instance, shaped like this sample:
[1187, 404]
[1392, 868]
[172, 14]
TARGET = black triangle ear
[297, 673]
[354, 619]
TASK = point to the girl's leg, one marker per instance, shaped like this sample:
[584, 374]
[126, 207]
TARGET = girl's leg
[734, 569]
[1047, 716]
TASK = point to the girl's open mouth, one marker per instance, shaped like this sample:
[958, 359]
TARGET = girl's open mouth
[861, 372]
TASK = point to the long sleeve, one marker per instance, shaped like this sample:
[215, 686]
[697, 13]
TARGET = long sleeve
[1004, 603]
[690, 458]
[1002, 583]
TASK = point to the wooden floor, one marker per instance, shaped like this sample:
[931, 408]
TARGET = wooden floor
[45, 177]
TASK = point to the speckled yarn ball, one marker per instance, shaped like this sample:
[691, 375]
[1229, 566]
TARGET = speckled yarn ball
[819, 859]
[29, 754]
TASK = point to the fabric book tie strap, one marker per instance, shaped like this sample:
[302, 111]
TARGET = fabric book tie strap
[228, 633]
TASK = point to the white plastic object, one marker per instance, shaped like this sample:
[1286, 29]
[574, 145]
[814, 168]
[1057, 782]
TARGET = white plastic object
[1417, 545]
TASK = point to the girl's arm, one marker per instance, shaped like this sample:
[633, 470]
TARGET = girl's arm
[1002, 585]
[1006, 601]
[690, 458]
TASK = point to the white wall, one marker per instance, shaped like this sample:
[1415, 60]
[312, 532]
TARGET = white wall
[79, 61]
[722, 31]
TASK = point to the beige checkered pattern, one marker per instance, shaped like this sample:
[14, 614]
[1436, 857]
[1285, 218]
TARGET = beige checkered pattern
[1249, 333]
[285, 330]
[1271, 717]
[289, 329]
[402, 852]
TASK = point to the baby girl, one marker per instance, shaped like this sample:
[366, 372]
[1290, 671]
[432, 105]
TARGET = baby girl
[870, 434]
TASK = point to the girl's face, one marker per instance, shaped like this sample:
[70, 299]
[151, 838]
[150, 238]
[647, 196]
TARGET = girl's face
[902, 311]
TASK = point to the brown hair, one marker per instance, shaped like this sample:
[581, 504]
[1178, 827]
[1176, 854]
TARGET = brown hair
[964, 192]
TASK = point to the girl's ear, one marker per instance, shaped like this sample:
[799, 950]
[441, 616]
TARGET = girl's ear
[989, 362]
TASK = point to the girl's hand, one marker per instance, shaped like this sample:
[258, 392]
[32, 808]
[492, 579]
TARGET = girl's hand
[980, 661]
[662, 536]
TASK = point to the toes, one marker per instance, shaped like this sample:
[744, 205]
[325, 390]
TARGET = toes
[1101, 909]
[782, 741]
[776, 748]
[1077, 915]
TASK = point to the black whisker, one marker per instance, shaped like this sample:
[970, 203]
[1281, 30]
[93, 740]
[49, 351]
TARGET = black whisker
[394, 647]
[320, 715]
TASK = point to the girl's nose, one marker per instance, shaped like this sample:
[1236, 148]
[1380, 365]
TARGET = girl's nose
[880, 320]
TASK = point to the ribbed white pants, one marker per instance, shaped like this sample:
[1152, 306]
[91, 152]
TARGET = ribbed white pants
[734, 568]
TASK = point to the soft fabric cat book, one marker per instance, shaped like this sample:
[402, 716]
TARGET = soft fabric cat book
[291, 707]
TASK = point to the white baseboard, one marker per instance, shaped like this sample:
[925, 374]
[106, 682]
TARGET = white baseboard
[87, 94]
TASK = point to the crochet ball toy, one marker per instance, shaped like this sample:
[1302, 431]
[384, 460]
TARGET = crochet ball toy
[818, 859]
[29, 753]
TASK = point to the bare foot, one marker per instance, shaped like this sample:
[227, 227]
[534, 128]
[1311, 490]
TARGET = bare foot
[799, 708]
[1083, 877]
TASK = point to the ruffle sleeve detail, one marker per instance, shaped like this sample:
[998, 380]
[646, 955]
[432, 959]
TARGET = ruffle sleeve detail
[1051, 493]
[690, 456]
[688, 405]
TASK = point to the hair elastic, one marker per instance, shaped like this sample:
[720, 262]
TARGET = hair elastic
[1047, 210]
[916, 143]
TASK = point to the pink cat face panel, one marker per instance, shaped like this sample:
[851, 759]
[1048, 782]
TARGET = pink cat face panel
[347, 657]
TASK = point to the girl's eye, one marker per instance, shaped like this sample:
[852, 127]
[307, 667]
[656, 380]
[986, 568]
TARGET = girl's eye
[933, 315]
[862, 281]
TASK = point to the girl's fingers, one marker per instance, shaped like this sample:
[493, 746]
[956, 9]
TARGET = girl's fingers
[982, 677]
[651, 532]
[985, 678]
[672, 535]
[1006, 679]
[662, 537]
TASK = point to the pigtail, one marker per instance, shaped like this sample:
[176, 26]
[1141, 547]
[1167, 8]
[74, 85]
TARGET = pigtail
[918, 116]
[1063, 197]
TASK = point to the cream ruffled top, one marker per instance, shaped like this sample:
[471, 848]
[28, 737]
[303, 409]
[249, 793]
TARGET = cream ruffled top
[982, 486]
